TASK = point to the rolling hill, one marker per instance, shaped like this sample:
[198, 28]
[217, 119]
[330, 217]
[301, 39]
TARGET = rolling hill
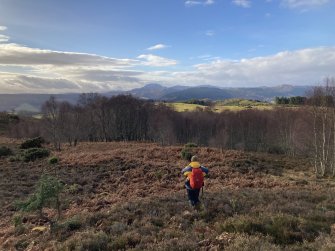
[9, 102]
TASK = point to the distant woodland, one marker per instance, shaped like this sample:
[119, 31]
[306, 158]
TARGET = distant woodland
[307, 130]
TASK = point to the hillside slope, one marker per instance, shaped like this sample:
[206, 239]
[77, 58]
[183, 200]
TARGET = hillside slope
[131, 196]
[212, 93]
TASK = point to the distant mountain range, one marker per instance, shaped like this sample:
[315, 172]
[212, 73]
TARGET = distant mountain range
[33, 102]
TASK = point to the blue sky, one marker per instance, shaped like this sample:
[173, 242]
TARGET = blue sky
[77, 46]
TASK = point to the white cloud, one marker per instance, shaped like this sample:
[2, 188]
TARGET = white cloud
[14, 54]
[28, 83]
[157, 61]
[190, 3]
[39, 71]
[242, 3]
[3, 28]
[301, 67]
[24, 69]
[209, 2]
[3, 38]
[157, 47]
[303, 4]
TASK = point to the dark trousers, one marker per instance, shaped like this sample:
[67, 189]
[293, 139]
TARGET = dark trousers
[193, 196]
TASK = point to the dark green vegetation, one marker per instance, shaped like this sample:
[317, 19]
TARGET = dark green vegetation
[53, 160]
[46, 195]
[6, 119]
[188, 151]
[32, 154]
[297, 100]
[32, 143]
[5, 151]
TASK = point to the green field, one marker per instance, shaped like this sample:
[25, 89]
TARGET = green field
[183, 107]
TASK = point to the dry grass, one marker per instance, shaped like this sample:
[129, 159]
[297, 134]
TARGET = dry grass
[131, 196]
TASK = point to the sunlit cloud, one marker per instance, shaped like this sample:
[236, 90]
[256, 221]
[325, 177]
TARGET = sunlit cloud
[301, 67]
[156, 61]
[242, 3]
[33, 70]
[303, 4]
[190, 3]
[157, 47]
[14, 54]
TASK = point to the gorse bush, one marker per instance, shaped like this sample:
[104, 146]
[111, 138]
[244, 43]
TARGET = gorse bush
[34, 153]
[32, 143]
[5, 151]
[46, 195]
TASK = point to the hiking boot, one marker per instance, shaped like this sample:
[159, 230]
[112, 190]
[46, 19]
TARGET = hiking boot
[199, 206]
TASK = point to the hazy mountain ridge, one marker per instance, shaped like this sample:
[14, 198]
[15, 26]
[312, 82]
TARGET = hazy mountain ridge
[19, 102]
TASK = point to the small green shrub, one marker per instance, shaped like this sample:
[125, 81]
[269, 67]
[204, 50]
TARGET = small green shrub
[284, 229]
[72, 224]
[21, 245]
[276, 150]
[251, 243]
[32, 143]
[14, 158]
[62, 229]
[17, 220]
[34, 153]
[53, 160]
[18, 224]
[46, 195]
[88, 241]
[190, 145]
[188, 151]
[5, 151]
[119, 243]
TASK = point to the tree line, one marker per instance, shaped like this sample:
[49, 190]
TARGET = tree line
[305, 130]
[296, 100]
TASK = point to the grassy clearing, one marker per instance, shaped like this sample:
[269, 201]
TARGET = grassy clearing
[226, 105]
[183, 107]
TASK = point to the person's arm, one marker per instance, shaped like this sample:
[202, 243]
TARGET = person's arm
[204, 170]
[186, 171]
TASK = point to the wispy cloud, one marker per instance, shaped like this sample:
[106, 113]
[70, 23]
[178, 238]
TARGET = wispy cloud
[190, 3]
[3, 38]
[210, 33]
[303, 4]
[46, 71]
[14, 54]
[242, 3]
[156, 61]
[157, 47]
[3, 28]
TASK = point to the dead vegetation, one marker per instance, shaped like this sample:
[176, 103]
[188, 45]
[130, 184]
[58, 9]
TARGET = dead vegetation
[121, 196]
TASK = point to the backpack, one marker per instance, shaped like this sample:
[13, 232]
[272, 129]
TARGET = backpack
[196, 178]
